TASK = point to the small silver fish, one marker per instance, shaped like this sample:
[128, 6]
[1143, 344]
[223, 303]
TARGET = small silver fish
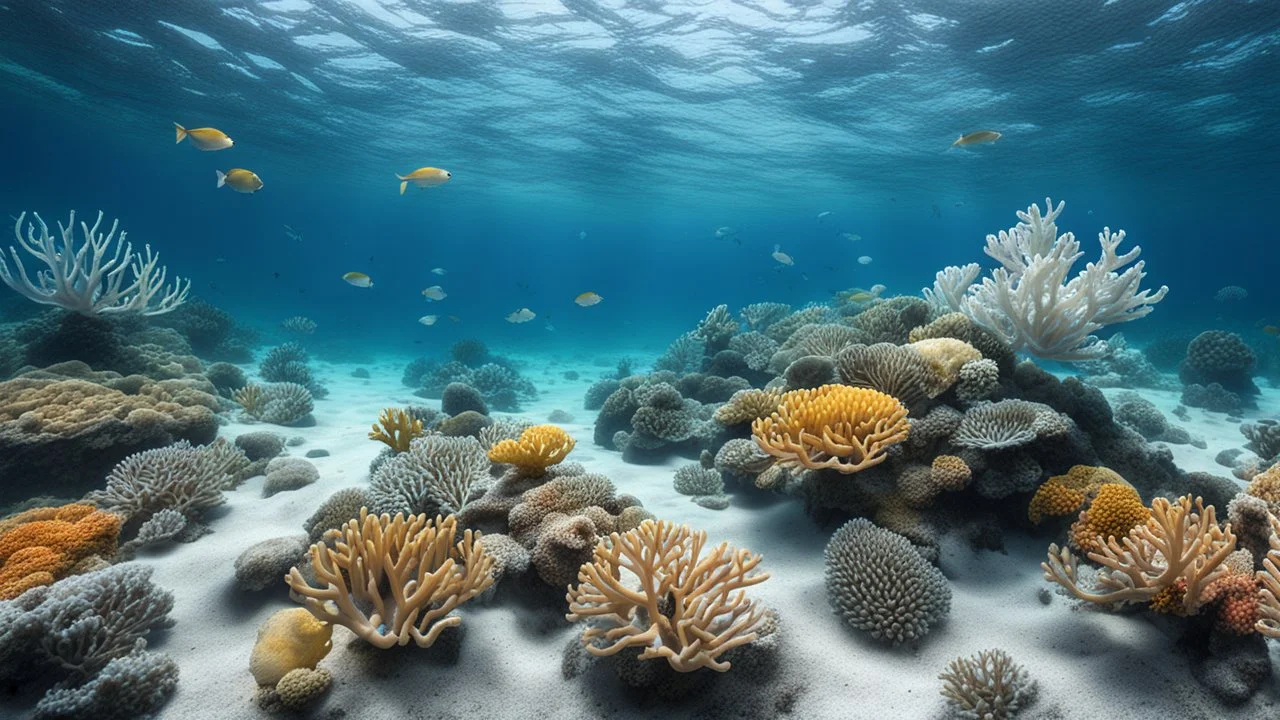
[781, 257]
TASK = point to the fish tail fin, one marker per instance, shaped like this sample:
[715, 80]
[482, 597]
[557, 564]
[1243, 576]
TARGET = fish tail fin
[222, 178]
[403, 184]
[181, 132]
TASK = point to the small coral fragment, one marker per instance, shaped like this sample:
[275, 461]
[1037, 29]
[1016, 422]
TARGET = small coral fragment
[397, 428]
[538, 448]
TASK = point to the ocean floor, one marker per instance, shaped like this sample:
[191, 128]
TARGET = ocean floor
[508, 663]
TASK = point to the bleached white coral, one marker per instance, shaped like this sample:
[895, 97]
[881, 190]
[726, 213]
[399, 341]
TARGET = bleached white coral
[950, 285]
[1030, 302]
[100, 276]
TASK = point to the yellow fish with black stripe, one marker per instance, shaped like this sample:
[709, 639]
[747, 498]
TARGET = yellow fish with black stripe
[424, 177]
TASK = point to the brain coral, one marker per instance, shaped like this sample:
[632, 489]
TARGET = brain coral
[835, 426]
[879, 583]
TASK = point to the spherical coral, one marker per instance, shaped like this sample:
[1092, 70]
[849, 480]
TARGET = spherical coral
[538, 448]
[879, 584]
[1115, 511]
[1053, 499]
[334, 512]
[834, 426]
[564, 544]
[288, 640]
[1266, 485]
[1216, 356]
[40, 546]
[301, 687]
[460, 397]
[950, 473]
[693, 479]
[747, 405]
[288, 473]
[1236, 596]
[741, 456]
[977, 380]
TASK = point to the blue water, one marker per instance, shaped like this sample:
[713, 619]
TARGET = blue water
[646, 126]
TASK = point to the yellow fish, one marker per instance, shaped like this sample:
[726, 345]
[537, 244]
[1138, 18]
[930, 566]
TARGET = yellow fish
[240, 180]
[976, 138]
[204, 138]
[587, 299]
[424, 177]
[860, 297]
[1271, 330]
[435, 292]
[358, 279]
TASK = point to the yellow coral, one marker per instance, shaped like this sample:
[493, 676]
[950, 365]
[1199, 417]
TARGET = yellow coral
[1115, 511]
[43, 545]
[689, 608]
[1064, 494]
[944, 356]
[950, 473]
[395, 580]
[843, 428]
[288, 640]
[397, 428]
[538, 448]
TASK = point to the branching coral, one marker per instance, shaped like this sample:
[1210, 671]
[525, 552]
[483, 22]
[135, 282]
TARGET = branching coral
[186, 478]
[435, 472]
[1269, 577]
[834, 426]
[101, 276]
[987, 686]
[392, 581]
[538, 448]
[1167, 562]
[397, 428]
[689, 608]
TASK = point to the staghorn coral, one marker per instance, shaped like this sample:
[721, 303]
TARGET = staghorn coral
[898, 371]
[435, 472]
[396, 428]
[1008, 424]
[747, 405]
[182, 477]
[987, 686]
[538, 448]
[1115, 510]
[838, 427]
[717, 328]
[43, 545]
[689, 609]
[879, 583]
[393, 581]
[1166, 562]
[1269, 579]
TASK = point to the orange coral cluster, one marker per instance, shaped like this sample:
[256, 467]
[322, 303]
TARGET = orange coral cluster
[396, 428]
[846, 429]
[40, 546]
[1236, 596]
[538, 448]
[1115, 511]
[1064, 494]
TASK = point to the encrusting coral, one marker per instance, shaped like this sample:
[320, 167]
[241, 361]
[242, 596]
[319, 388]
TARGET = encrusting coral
[1166, 562]
[834, 426]
[689, 609]
[538, 448]
[43, 545]
[397, 428]
[392, 581]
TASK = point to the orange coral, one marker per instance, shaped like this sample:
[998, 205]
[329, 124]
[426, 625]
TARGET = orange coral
[40, 546]
[1064, 494]
[397, 428]
[538, 448]
[1115, 511]
[843, 428]
[1237, 598]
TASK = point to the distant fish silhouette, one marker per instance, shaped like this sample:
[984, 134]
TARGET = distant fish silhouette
[935, 213]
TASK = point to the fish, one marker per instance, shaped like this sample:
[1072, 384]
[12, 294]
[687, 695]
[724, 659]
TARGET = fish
[358, 279]
[293, 234]
[523, 315]
[724, 232]
[782, 257]
[1271, 330]
[424, 177]
[207, 139]
[861, 297]
[824, 215]
[864, 260]
[435, 292]
[582, 235]
[587, 299]
[240, 180]
[549, 326]
[976, 138]
[851, 237]
[428, 320]
[438, 271]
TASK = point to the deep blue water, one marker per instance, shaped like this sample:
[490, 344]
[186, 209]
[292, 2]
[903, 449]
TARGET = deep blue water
[646, 126]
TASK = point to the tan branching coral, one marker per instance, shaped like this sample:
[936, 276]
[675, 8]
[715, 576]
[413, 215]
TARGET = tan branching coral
[689, 608]
[1269, 578]
[843, 428]
[392, 581]
[538, 448]
[1167, 562]
[251, 398]
[397, 428]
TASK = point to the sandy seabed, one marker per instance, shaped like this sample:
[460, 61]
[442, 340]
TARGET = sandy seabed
[508, 663]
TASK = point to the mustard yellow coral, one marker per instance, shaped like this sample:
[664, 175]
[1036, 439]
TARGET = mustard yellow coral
[1115, 511]
[397, 428]
[949, 472]
[290, 639]
[1064, 494]
[538, 448]
[43, 545]
[843, 428]
[1266, 485]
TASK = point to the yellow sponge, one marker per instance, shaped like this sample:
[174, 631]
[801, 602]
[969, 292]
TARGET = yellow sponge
[288, 640]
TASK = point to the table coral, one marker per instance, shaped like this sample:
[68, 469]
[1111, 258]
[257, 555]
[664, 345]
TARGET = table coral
[689, 608]
[834, 426]
[538, 448]
[395, 580]
[40, 547]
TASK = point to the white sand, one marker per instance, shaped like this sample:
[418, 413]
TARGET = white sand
[1088, 664]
